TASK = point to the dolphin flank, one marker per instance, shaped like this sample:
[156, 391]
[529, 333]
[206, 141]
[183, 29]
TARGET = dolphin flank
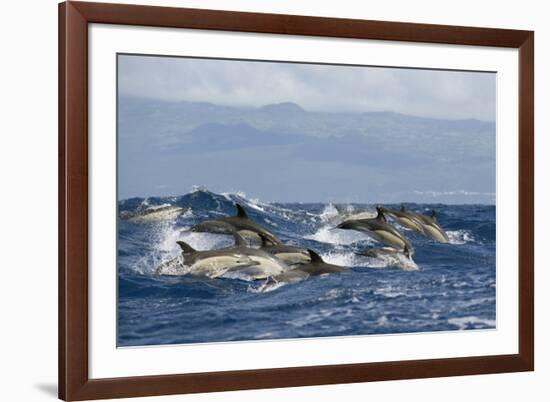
[380, 230]
[315, 267]
[230, 224]
[407, 219]
[211, 263]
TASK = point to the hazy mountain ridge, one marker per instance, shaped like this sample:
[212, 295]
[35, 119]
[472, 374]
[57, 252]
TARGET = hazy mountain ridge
[175, 119]
[286, 147]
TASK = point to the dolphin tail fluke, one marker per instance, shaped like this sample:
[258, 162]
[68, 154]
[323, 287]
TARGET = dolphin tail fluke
[407, 252]
[380, 214]
[241, 213]
[186, 248]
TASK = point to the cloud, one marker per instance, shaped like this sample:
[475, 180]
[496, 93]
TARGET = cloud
[326, 88]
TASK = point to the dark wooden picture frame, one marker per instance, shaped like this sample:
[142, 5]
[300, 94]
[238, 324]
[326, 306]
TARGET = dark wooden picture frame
[74, 382]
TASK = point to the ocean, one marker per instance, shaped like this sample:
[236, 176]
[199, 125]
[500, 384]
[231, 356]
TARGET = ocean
[447, 287]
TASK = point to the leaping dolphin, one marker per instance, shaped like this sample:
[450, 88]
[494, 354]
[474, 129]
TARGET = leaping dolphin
[230, 224]
[380, 230]
[432, 227]
[153, 214]
[212, 263]
[407, 219]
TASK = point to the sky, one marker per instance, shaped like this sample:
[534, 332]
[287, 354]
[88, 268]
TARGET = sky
[186, 122]
[325, 88]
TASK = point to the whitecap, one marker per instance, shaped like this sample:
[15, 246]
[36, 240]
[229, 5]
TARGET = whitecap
[329, 213]
[397, 260]
[311, 318]
[390, 292]
[345, 259]
[203, 241]
[327, 234]
[460, 236]
[266, 286]
[163, 248]
[381, 321]
[350, 259]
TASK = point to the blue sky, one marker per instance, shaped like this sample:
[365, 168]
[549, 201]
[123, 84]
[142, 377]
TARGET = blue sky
[175, 112]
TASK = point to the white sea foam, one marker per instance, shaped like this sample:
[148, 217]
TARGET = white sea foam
[390, 292]
[397, 260]
[271, 222]
[165, 238]
[381, 321]
[174, 266]
[311, 318]
[154, 207]
[204, 241]
[329, 213]
[165, 248]
[471, 321]
[327, 234]
[264, 206]
[266, 286]
[350, 259]
[197, 188]
[460, 236]
[345, 259]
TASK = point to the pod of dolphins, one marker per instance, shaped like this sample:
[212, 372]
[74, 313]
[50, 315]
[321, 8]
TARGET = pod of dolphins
[257, 253]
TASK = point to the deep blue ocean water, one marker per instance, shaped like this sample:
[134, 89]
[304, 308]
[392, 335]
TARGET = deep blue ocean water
[452, 289]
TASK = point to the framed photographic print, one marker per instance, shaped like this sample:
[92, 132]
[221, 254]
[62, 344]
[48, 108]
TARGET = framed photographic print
[259, 200]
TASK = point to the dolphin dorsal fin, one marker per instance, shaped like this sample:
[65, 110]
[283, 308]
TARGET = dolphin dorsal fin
[186, 248]
[314, 256]
[407, 252]
[239, 240]
[402, 207]
[241, 213]
[380, 214]
[433, 214]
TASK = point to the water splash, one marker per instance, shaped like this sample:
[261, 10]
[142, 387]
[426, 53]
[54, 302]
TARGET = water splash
[350, 259]
[330, 235]
[460, 237]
